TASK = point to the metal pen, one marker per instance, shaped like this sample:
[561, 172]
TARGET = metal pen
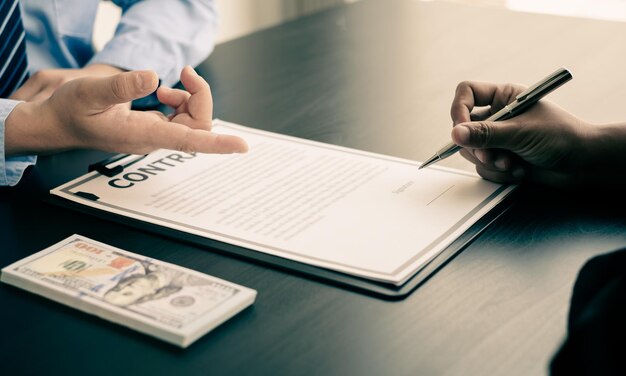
[521, 103]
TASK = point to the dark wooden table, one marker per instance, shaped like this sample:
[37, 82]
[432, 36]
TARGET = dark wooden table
[379, 76]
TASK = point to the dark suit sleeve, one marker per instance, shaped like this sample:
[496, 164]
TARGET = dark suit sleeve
[596, 339]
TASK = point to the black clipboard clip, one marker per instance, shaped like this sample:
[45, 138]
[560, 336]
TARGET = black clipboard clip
[101, 167]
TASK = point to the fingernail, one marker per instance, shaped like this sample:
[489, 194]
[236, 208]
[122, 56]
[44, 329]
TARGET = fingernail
[146, 80]
[518, 173]
[192, 70]
[481, 155]
[243, 148]
[500, 163]
[461, 135]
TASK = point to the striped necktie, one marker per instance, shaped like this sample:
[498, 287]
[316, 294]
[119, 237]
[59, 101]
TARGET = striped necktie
[13, 63]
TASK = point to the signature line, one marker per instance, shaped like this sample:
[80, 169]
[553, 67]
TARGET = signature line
[441, 194]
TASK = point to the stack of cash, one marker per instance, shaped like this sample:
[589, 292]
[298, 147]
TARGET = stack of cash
[175, 304]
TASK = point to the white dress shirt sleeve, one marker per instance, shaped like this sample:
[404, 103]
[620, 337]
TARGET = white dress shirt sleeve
[162, 35]
[11, 169]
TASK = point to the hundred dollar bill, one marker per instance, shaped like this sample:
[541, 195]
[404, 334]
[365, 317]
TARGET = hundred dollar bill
[175, 304]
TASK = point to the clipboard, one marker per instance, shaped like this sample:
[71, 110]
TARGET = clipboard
[343, 280]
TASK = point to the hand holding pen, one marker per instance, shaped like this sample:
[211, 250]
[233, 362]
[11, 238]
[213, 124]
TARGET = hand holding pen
[544, 143]
[520, 103]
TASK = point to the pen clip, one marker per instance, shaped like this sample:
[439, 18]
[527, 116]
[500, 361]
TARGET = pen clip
[543, 87]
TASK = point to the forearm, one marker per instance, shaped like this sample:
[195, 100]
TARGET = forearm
[31, 129]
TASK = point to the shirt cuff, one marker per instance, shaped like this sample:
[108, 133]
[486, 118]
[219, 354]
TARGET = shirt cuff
[12, 168]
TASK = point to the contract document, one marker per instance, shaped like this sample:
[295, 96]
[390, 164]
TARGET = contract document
[367, 215]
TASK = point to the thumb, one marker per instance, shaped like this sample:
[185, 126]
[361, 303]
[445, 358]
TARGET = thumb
[120, 88]
[486, 135]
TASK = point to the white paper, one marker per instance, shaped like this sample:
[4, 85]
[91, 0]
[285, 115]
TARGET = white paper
[360, 213]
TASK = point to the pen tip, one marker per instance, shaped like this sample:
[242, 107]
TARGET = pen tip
[429, 161]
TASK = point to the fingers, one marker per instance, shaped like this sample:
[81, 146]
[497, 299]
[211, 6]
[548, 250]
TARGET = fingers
[27, 91]
[200, 103]
[480, 114]
[174, 98]
[192, 82]
[470, 156]
[503, 167]
[513, 176]
[194, 107]
[500, 166]
[488, 135]
[42, 95]
[174, 136]
[493, 159]
[470, 94]
[103, 92]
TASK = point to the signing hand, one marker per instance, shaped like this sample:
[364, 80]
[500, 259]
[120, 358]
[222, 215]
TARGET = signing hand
[546, 144]
[93, 113]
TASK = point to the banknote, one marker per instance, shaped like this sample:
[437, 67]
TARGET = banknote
[170, 302]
